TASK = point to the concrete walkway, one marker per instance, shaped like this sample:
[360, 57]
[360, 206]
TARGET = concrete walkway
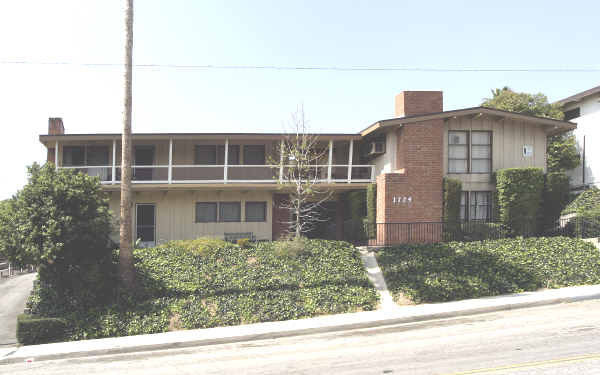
[386, 302]
[13, 295]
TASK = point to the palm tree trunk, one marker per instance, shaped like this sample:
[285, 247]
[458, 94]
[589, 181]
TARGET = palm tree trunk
[126, 270]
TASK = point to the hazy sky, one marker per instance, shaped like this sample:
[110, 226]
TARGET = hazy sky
[422, 34]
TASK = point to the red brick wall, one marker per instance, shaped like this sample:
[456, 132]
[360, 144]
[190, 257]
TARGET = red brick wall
[50, 156]
[419, 158]
[418, 102]
[280, 216]
[55, 126]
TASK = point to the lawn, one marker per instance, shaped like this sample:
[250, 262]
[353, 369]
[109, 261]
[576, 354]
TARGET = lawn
[208, 283]
[461, 270]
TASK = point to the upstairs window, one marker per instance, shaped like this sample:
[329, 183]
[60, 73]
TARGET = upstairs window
[206, 155]
[481, 152]
[73, 156]
[469, 151]
[254, 154]
[458, 152]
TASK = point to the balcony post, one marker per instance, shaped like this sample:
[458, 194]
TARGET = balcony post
[114, 162]
[281, 161]
[56, 155]
[329, 161]
[350, 153]
[170, 160]
[226, 160]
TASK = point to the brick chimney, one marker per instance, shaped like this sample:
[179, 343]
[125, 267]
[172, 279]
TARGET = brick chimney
[55, 126]
[418, 103]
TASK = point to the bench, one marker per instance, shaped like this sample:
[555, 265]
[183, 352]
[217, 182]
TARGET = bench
[233, 237]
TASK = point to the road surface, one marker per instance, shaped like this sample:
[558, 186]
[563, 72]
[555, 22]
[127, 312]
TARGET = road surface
[13, 295]
[559, 339]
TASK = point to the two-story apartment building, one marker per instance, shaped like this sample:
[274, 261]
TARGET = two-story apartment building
[584, 109]
[208, 184]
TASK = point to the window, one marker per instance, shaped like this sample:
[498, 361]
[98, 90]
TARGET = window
[215, 155]
[73, 156]
[256, 211]
[233, 155]
[230, 211]
[206, 155]
[97, 155]
[481, 152]
[469, 151]
[254, 154]
[458, 152]
[480, 205]
[206, 212]
[572, 113]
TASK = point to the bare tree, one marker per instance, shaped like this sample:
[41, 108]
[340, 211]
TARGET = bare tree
[126, 270]
[301, 175]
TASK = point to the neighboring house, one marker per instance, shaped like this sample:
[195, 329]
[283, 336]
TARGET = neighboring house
[205, 184]
[584, 109]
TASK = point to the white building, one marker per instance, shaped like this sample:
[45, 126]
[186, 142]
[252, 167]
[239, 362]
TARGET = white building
[584, 109]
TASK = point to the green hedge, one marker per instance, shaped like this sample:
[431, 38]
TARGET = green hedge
[32, 330]
[520, 194]
[208, 283]
[587, 200]
[461, 270]
[556, 197]
[371, 220]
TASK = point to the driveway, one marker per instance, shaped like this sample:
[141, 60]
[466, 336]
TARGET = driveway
[13, 295]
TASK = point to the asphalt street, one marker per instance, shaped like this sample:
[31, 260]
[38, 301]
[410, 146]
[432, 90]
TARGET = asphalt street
[13, 295]
[558, 339]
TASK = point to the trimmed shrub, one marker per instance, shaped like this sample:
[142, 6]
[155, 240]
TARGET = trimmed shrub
[520, 194]
[587, 200]
[459, 270]
[33, 330]
[452, 192]
[556, 196]
[371, 220]
[358, 204]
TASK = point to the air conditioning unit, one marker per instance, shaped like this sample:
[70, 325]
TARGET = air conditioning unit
[377, 147]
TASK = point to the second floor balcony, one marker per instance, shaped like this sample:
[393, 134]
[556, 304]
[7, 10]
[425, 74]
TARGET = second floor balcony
[210, 161]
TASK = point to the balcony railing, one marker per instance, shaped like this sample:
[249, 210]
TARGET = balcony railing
[230, 174]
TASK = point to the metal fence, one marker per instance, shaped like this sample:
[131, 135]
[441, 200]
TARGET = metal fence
[382, 234]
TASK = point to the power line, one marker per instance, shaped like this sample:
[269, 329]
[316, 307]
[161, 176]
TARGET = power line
[314, 68]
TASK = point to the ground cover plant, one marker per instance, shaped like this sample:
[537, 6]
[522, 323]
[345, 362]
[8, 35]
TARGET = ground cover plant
[461, 270]
[208, 283]
[588, 200]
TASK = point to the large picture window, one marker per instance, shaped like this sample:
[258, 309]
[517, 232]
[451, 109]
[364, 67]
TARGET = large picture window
[256, 211]
[206, 212]
[230, 211]
[469, 151]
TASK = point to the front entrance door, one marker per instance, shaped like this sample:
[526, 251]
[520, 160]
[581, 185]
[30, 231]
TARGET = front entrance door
[145, 227]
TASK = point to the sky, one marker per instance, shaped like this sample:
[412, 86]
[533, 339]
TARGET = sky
[328, 33]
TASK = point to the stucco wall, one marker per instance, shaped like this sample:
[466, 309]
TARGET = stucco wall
[588, 125]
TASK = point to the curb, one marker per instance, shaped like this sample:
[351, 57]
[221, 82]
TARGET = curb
[272, 330]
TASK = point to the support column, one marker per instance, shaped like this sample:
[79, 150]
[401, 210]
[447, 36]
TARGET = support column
[350, 153]
[171, 160]
[56, 155]
[226, 159]
[329, 162]
[114, 161]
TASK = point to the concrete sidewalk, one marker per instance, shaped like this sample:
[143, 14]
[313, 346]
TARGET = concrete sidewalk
[330, 323]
